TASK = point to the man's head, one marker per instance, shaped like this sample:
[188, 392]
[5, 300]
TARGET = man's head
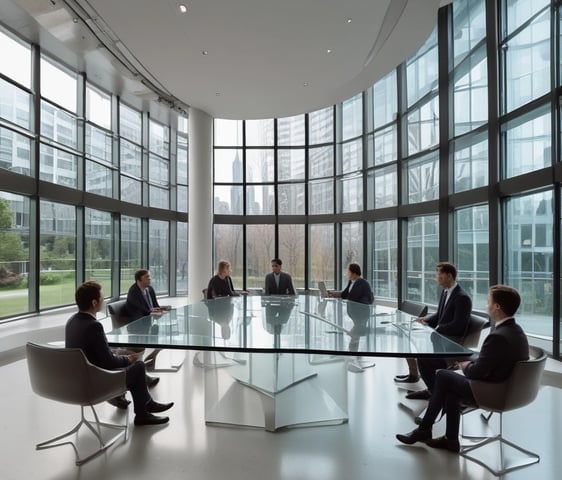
[446, 274]
[353, 271]
[89, 297]
[276, 265]
[143, 278]
[503, 301]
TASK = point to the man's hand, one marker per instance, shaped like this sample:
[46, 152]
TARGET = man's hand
[420, 320]
[157, 312]
[133, 357]
[463, 365]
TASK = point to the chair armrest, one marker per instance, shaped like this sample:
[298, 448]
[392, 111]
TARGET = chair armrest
[105, 384]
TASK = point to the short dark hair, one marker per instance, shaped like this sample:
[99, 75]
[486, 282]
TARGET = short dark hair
[354, 268]
[506, 297]
[86, 293]
[277, 261]
[140, 273]
[447, 267]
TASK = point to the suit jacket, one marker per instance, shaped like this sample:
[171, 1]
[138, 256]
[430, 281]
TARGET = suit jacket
[501, 350]
[136, 305]
[285, 284]
[84, 331]
[452, 320]
[360, 293]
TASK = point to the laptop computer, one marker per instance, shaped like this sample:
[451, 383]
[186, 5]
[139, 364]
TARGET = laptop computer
[323, 289]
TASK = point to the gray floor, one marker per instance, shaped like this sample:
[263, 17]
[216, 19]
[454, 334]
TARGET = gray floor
[364, 448]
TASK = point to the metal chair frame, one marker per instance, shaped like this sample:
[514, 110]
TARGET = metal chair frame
[510, 388]
[83, 384]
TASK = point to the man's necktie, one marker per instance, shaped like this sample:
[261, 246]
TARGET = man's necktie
[441, 306]
[148, 299]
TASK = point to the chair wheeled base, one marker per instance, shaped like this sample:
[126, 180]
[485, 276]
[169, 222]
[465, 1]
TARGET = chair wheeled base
[96, 428]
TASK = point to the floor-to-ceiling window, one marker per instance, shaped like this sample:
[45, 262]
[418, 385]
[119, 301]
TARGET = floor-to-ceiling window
[80, 169]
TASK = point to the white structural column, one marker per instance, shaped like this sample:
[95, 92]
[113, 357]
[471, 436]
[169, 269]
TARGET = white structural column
[200, 256]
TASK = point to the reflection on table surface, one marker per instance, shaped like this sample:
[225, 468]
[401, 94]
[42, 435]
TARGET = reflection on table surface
[297, 324]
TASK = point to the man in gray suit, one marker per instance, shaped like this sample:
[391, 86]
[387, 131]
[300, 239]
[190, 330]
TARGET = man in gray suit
[502, 349]
[278, 282]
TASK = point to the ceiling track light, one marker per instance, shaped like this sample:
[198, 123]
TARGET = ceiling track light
[183, 8]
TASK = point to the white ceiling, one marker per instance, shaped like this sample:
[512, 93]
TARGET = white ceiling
[265, 58]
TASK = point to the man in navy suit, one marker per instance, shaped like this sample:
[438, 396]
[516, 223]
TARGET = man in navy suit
[451, 320]
[357, 289]
[278, 282]
[502, 349]
[141, 298]
[85, 332]
[142, 302]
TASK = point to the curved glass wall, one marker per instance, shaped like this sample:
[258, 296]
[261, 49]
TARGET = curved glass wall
[415, 170]
[454, 155]
[79, 170]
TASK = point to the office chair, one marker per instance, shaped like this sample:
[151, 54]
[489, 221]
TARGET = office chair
[519, 390]
[65, 375]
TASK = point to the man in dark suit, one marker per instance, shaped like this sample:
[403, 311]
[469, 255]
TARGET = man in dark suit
[141, 298]
[503, 348]
[357, 289]
[451, 320]
[278, 282]
[85, 332]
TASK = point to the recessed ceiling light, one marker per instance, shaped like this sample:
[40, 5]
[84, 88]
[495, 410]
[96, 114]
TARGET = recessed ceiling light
[348, 20]
[205, 52]
[218, 94]
[328, 50]
[305, 84]
[183, 9]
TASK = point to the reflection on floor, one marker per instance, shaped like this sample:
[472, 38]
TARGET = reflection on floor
[364, 448]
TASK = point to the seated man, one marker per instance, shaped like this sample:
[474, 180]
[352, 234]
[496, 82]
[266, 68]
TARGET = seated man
[278, 282]
[141, 302]
[451, 320]
[502, 349]
[357, 289]
[141, 297]
[85, 332]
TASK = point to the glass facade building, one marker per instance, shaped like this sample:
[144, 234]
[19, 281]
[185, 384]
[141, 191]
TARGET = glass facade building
[454, 155]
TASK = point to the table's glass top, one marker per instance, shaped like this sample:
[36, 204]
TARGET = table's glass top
[299, 324]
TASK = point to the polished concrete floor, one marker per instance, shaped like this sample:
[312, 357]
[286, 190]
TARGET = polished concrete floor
[363, 448]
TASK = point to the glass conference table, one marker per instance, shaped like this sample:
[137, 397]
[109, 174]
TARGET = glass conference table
[275, 362]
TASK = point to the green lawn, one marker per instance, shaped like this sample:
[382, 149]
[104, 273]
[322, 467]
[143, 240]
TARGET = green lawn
[13, 302]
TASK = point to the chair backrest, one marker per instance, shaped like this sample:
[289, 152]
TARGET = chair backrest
[475, 326]
[414, 308]
[116, 311]
[204, 292]
[520, 389]
[65, 375]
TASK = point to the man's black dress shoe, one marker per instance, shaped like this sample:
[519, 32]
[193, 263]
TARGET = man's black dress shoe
[152, 381]
[155, 407]
[417, 435]
[149, 419]
[406, 378]
[445, 444]
[119, 402]
[419, 395]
